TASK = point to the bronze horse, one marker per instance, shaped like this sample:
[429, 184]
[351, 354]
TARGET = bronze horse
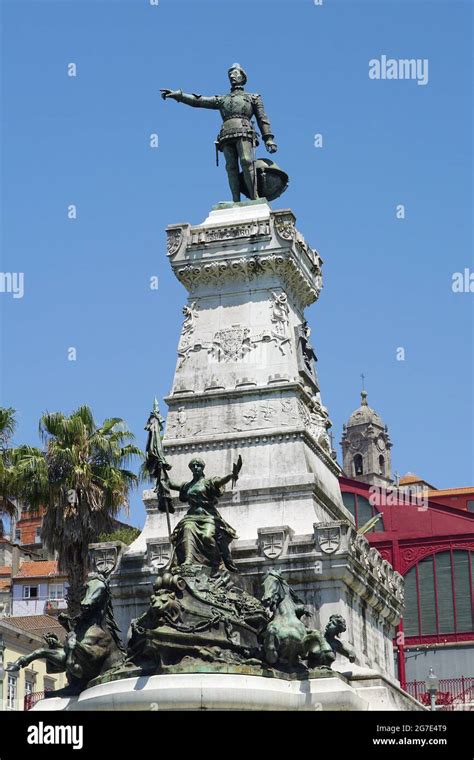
[286, 640]
[92, 644]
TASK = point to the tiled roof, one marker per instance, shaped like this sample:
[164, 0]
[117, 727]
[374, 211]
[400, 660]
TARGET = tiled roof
[5, 584]
[36, 624]
[39, 569]
[410, 477]
[450, 492]
[5, 570]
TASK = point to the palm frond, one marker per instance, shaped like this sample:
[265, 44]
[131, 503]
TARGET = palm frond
[7, 425]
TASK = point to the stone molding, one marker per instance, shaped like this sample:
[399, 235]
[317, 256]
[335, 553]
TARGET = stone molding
[200, 255]
[227, 440]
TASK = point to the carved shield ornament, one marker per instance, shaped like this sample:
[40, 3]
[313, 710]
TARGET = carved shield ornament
[104, 560]
[159, 554]
[272, 545]
[329, 539]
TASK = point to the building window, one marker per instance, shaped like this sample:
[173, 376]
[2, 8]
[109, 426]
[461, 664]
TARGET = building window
[470, 505]
[382, 464]
[11, 692]
[361, 510]
[18, 535]
[38, 535]
[30, 592]
[28, 688]
[439, 595]
[358, 465]
[56, 590]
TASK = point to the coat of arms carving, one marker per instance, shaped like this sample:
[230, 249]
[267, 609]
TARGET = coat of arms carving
[159, 554]
[272, 544]
[329, 539]
[231, 343]
[173, 241]
[104, 559]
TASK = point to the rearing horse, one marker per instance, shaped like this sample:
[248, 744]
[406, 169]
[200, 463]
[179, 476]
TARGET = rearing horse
[92, 644]
[286, 639]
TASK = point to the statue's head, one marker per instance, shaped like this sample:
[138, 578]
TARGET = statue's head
[196, 466]
[336, 625]
[237, 75]
[96, 592]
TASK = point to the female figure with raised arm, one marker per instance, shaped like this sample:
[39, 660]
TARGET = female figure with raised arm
[202, 537]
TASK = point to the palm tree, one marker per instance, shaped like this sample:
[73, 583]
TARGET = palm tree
[82, 481]
[7, 473]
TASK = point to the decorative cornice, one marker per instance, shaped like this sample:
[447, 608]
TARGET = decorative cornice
[210, 255]
[215, 273]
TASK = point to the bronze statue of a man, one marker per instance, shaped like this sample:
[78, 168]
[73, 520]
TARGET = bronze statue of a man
[237, 138]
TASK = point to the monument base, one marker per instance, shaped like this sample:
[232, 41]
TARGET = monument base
[233, 691]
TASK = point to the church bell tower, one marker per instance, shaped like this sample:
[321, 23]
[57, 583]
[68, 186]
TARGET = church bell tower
[366, 446]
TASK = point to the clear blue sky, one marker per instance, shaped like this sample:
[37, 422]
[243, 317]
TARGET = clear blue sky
[85, 141]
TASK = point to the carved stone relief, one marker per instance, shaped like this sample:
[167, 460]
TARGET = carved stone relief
[231, 343]
[273, 542]
[280, 319]
[328, 539]
[174, 240]
[159, 553]
[285, 225]
[190, 314]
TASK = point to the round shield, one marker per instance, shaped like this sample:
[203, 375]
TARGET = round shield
[271, 180]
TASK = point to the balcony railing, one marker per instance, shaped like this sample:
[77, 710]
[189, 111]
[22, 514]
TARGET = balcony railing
[31, 699]
[452, 694]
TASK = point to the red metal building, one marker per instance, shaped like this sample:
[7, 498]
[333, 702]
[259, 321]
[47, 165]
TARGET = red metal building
[428, 536]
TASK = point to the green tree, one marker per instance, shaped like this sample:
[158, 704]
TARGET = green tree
[7, 469]
[82, 479]
[126, 534]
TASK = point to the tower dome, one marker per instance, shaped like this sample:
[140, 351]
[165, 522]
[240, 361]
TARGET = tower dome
[366, 446]
[364, 414]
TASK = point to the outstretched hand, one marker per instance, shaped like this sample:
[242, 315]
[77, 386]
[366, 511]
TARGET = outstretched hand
[14, 667]
[167, 93]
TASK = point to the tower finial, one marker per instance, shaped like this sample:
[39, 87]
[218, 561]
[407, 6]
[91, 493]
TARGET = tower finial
[363, 393]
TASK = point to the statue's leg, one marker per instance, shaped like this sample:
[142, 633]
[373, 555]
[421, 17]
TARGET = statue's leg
[232, 167]
[248, 168]
[55, 656]
[270, 648]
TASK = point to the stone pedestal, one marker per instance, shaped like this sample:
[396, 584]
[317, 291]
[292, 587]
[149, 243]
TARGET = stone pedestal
[246, 383]
[219, 691]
